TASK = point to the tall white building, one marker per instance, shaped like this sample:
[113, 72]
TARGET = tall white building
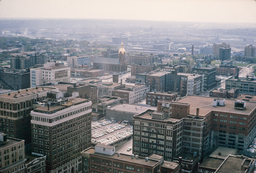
[50, 73]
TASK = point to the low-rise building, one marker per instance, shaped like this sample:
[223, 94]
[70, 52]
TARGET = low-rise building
[85, 73]
[245, 85]
[104, 158]
[132, 93]
[51, 73]
[152, 98]
[125, 112]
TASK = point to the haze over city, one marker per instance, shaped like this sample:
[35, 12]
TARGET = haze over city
[216, 11]
[125, 86]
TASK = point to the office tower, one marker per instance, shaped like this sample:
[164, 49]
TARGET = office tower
[61, 130]
[249, 51]
[12, 154]
[15, 111]
[216, 49]
[225, 53]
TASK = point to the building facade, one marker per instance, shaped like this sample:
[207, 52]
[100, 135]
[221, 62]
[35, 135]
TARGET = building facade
[15, 108]
[216, 49]
[249, 51]
[14, 79]
[209, 75]
[104, 158]
[61, 131]
[132, 94]
[50, 73]
[245, 86]
[153, 97]
[74, 61]
[12, 154]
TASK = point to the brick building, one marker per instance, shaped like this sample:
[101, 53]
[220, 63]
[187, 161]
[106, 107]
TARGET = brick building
[104, 158]
[62, 130]
[153, 97]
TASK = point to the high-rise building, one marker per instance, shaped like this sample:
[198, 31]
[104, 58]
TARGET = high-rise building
[51, 72]
[14, 79]
[12, 154]
[61, 130]
[216, 49]
[249, 51]
[224, 53]
[15, 108]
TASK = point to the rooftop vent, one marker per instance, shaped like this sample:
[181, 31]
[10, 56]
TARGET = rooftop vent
[146, 159]
[240, 104]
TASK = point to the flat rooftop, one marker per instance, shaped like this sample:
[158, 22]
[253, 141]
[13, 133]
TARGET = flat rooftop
[25, 92]
[158, 74]
[223, 152]
[189, 75]
[125, 157]
[135, 109]
[11, 141]
[233, 164]
[170, 165]
[211, 163]
[205, 105]
[148, 115]
[163, 93]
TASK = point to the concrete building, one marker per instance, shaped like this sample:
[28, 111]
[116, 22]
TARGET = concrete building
[125, 112]
[132, 94]
[25, 60]
[112, 64]
[209, 75]
[152, 98]
[15, 108]
[190, 84]
[61, 130]
[141, 69]
[74, 61]
[225, 53]
[216, 49]
[249, 51]
[86, 73]
[245, 86]
[50, 73]
[14, 79]
[104, 158]
[12, 154]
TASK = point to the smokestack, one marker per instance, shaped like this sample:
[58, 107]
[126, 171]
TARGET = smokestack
[48, 106]
[192, 50]
[197, 112]
[121, 82]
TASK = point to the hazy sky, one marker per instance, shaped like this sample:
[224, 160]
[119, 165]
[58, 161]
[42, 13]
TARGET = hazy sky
[238, 11]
